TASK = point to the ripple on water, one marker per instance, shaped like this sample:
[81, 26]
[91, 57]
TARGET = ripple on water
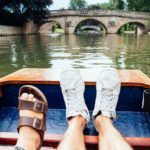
[121, 52]
[96, 48]
[59, 55]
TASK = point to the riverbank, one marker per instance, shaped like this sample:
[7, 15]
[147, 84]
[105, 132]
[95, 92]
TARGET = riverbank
[59, 30]
[10, 30]
[131, 32]
[28, 28]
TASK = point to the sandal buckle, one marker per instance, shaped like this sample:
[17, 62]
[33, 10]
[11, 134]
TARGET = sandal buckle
[37, 123]
[38, 106]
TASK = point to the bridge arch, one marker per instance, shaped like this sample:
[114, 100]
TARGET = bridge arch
[47, 26]
[141, 27]
[90, 23]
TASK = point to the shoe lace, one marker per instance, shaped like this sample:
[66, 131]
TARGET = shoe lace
[108, 95]
[70, 94]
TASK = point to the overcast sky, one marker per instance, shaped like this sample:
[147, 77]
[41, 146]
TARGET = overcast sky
[57, 4]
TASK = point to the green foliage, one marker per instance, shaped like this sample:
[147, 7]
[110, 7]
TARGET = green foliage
[105, 6]
[94, 6]
[120, 4]
[62, 8]
[132, 5]
[128, 27]
[139, 5]
[117, 4]
[77, 4]
[20, 11]
[113, 5]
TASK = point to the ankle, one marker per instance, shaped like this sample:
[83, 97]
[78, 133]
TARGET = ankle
[77, 121]
[101, 118]
[102, 122]
[28, 138]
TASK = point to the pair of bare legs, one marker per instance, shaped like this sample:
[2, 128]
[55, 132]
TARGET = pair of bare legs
[109, 138]
[73, 139]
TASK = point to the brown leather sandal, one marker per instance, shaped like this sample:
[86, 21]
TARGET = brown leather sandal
[39, 106]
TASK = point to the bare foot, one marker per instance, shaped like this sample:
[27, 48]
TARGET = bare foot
[29, 138]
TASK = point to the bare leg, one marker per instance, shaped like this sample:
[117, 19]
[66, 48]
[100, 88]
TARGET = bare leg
[77, 113]
[109, 137]
[108, 88]
[73, 139]
[28, 138]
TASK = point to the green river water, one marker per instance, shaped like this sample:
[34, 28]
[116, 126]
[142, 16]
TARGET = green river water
[78, 51]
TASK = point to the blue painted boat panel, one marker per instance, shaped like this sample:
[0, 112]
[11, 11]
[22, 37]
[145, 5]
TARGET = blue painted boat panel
[131, 124]
[130, 98]
[132, 121]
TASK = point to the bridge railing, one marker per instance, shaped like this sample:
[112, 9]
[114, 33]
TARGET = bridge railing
[96, 12]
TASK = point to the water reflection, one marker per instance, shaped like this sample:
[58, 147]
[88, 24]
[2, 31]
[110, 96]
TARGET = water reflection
[84, 51]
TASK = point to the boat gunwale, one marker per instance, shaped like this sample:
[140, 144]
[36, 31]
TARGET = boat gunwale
[54, 139]
[134, 78]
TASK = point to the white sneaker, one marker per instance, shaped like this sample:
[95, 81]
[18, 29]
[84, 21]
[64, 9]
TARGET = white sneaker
[108, 89]
[73, 88]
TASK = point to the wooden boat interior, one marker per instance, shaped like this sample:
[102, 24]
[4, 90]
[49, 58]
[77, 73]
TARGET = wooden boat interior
[133, 121]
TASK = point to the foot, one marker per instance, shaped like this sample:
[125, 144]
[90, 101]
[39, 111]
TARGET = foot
[29, 138]
[73, 89]
[108, 89]
[33, 108]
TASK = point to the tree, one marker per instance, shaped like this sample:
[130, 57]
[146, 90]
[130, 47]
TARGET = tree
[113, 5]
[120, 5]
[117, 4]
[105, 6]
[138, 5]
[94, 6]
[17, 12]
[77, 4]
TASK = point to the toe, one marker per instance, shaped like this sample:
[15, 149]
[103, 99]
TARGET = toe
[34, 99]
[30, 97]
[24, 96]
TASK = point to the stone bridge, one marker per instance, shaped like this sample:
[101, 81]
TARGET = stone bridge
[111, 21]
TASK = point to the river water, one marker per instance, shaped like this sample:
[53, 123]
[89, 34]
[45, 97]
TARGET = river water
[79, 51]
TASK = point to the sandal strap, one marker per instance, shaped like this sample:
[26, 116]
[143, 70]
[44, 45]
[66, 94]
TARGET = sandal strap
[36, 123]
[36, 106]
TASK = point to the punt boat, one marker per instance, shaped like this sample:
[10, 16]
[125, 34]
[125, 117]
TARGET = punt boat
[133, 121]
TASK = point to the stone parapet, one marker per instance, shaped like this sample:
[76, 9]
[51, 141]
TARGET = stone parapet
[101, 13]
[10, 30]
